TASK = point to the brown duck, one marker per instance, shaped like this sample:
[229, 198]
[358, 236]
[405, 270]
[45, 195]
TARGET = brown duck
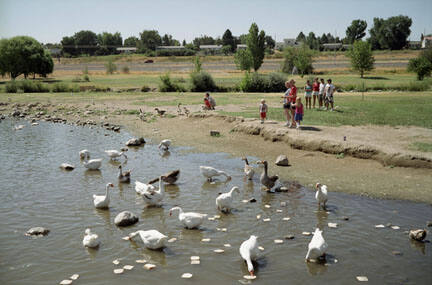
[267, 181]
[170, 177]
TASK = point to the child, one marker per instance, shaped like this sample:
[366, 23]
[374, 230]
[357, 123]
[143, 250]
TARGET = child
[315, 89]
[209, 102]
[321, 93]
[286, 103]
[263, 110]
[308, 94]
[329, 90]
[298, 117]
[292, 99]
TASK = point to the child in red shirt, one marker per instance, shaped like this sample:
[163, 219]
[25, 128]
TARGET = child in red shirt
[298, 117]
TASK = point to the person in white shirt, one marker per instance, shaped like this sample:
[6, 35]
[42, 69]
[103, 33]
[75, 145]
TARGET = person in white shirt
[321, 93]
[328, 91]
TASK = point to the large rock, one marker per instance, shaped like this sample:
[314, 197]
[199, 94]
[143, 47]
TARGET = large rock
[135, 142]
[282, 160]
[36, 231]
[125, 218]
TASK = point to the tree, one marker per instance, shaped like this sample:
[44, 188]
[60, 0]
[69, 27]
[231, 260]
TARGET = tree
[149, 40]
[228, 40]
[356, 31]
[108, 43]
[68, 45]
[86, 42]
[391, 33]
[203, 40]
[361, 57]
[301, 38]
[270, 42]
[131, 42]
[256, 45]
[301, 58]
[184, 43]
[312, 41]
[420, 65]
[243, 39]
[24, 55]
[167, 40]
[243, 59]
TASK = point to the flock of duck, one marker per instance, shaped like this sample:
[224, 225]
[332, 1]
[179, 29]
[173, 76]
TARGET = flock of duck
[153, 196]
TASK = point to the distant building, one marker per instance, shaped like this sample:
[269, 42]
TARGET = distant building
[170, 48]
[332, 46]
[414, 44]
[126, 49]
[211, 47]
[426, 41]
[287, 43]
[241, 46]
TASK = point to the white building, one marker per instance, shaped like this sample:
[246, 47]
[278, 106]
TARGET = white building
[426, 41]
[126, 49]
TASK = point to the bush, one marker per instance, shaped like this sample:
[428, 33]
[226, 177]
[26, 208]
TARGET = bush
[145, 88]
[421, 66]
[125, 69]
[60, 87]
[33, 87]
[243, 59]
[184, 52]
[110, 67]
[167, 85]
[86, 78]
[274, 82]
[301, 58]
[11, 87]
[202, 81]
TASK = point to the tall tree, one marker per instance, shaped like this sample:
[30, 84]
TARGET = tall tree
[391, 33]
[108, 43]
[301, 38]
[167, 40]
[131, 42]
[256, 45]
[86, 42]
[228, 40]
[270, 42]
[149, 40]
[356, 31]
[68, 45]
[361, 57]
[203, 40]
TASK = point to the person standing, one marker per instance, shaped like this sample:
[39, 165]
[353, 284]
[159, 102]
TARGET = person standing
[315, 91]
[292, 99]
[263, 110]
[329, 90]
[298, 117]
[286, 103]
[308, 94]
[321, 93]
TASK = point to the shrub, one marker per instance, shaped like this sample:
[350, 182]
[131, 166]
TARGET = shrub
[276, 82]
[421, 66]
[145, 88]
[167, 85]
[11, 87]
[86, 78]
[60, 87]
[33, 87]
[85, 70]
[184, 52]
[102, 89]
[243, 59]
[301, 58]
[202, 81]
[110, 67]
[125, 69]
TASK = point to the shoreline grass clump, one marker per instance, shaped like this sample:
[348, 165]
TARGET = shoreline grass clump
[167, 85]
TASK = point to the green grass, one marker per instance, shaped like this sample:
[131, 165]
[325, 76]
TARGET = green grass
[422, 146]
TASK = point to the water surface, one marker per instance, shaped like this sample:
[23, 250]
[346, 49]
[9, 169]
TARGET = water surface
[36, 192]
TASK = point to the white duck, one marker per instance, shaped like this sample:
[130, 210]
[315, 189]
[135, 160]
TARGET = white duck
[84, 154]
[165, 144]
[317, 246]
[19, 127]
[114, 154]
[149, 193]
[152, 239]
[249, 252]
[190, 219]
[90, 240]
[321, 195]
[92, 164]
[210, 172]
[248, 170]
[224, 200]
[102, 201]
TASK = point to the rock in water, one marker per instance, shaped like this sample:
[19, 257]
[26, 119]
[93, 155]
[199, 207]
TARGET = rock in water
[67, 166]
[417, 235]
[125, 218]
[136, 142]
[282, 160]
[37, 231]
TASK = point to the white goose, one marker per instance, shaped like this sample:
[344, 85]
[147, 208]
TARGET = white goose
[84, 154]
[248, 170]
[90, 240]
[102, 201]
[149, 193]
[210, 172]
[321, 195]
[317, 246]
[152, 239]
[114, 154]
[190, 219]
[92, 164]
[249, 252]
[224, 200]
[165, 144]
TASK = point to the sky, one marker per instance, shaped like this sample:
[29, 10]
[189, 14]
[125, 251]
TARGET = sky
[51, 20]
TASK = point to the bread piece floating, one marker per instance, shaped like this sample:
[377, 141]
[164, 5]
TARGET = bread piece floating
[118, 271]
[116, 262]
[266, 220]
[278, 241]
[286, 219]
[219, 250]
[128, 267]
[362, 278]
[172, 240]
[186, 275]
[141, 261]
[74, 277]
[205, 240]
[149, 266]
[66, 282]
[332, 225]
[249, 277]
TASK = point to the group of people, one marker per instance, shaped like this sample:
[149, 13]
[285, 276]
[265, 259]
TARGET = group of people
[293, 106]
